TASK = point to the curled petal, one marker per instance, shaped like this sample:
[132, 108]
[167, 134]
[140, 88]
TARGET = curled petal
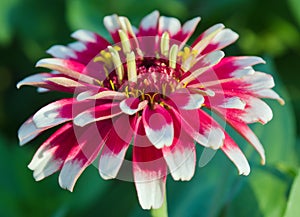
[131, 106]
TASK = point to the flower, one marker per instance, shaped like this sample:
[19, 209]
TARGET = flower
[151, 90]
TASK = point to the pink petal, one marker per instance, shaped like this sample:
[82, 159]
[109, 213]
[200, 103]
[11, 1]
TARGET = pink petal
[148, 25]
[54, 113]
[168, 24]
[90, 141]
[187, 30]
[52, 153]
[184, 100]
[221, 40]
[97, 113]
[29, 131]
[158, 126]
[234, 153]
[131, 105]
[69, 68]
[149, 170]
[181, 155]
[115, 147]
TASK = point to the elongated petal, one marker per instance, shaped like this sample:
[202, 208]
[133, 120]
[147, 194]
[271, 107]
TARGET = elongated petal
[149, 170]
[115, 147]
[90, 141]
[158, 126]
[52, 153]
[28, 131]
[181, 155]
[187, 30]
[54, 113]
[97, 113]
[234, 153]
[34, 80]
[221, 40]
[69, 68]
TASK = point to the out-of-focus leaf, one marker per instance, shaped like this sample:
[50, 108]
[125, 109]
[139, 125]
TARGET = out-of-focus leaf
[293, 208]
[89, 14]
[279, 135]
[6, 24]
[295, 8]
[264, 195]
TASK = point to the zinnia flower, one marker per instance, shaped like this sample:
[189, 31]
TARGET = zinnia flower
[150, 90]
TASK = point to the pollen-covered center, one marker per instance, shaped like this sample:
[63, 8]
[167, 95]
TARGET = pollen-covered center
[134, 72]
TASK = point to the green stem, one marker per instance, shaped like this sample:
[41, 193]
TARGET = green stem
[162, 211]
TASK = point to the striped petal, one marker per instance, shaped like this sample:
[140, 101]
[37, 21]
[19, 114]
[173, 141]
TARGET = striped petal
[52, 153]
[54, 113]
[158, 126]
[181, 155]
[149, 170]
[131, 106]
[115, 147]
[185, 100]
[221, 40]
[90, 141]
[235, 154]
[69, 68]
[97, 113]
[28, 131]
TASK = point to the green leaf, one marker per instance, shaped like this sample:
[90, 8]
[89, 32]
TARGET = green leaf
[293, 208]
[263, 195]
[295, 8]
[279, 135]
[6, 20]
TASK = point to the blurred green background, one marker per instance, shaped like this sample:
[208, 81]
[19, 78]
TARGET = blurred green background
[267, 28]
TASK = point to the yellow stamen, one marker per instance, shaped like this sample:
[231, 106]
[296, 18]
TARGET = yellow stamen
[131, 67]
[117, 62]
[173, 56]
[164, 44]
[125, 42]
[112, 85]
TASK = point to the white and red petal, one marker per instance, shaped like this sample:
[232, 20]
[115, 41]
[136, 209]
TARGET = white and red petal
[28, 131]
[149, 170]
[54, 113]
[187, 30]
[221, 40]
[149, 25]
[206, 37]
[70, 68]
[168, 24]
[234, 153]
[97, 113]
[268, 93]
[52, 153]
[132, 105]
[181, 155]
[100, 93]
[90, 141]
[158, 125]
[185, 100]
[116, 145]
[60, 51]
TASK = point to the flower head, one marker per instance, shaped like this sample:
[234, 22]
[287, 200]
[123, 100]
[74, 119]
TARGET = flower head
[151, 90]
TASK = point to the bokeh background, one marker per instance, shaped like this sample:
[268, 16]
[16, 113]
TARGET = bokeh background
[267, 28]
